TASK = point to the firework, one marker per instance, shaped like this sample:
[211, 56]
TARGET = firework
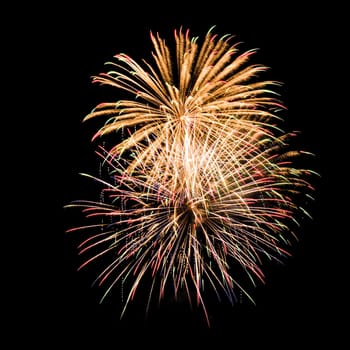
[201, 178]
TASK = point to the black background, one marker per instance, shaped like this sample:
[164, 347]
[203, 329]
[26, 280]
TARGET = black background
[300, 303]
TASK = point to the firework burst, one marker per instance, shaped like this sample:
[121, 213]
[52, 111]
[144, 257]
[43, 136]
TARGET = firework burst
[200, 177]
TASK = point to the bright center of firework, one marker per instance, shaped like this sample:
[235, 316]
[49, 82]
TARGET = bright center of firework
[186, 119]
[196, 211]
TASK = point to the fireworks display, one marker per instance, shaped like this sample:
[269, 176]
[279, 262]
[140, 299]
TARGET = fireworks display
[201, 184]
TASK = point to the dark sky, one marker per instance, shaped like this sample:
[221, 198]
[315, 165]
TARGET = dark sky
[296, 306]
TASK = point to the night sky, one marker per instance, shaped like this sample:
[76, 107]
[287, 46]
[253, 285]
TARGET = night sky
[296, 306]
